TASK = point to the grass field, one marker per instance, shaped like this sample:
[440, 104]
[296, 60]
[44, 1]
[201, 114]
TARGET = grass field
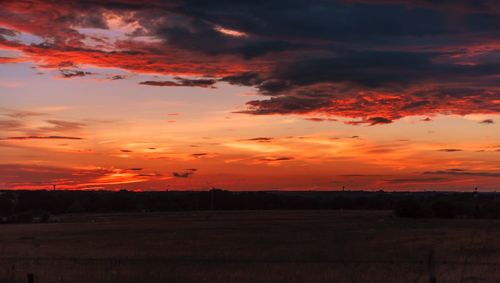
[250, 246]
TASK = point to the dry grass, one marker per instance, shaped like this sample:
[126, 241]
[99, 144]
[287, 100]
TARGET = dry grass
[250, 246]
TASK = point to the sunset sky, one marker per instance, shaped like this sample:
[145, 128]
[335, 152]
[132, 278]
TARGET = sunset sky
[250, 95]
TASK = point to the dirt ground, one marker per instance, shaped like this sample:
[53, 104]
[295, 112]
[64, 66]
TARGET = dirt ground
[251, 246]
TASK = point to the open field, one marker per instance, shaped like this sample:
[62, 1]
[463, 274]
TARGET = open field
[250, 246]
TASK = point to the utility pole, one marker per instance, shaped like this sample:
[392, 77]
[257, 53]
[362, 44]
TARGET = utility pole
[54, 186]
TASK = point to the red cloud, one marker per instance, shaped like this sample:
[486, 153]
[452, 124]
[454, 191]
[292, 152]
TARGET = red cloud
[20, 176]
[424, 68]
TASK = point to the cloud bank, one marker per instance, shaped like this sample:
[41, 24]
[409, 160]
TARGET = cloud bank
[372, 62]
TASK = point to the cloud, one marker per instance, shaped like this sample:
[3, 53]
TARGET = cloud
[450, 150]
[372, 121]
[487, 121]
[317, 119]
[205, 83]
[149, 175]
[9, 125]
[355, 59]
[379, 120]
[276, 159]
[8, 32]
[118, 77]
[27, 176]
[199, 155]
[39, 176]
[73, 73]
[461, 172]
[181, 174]
[42, 137]
[260, 139]
[186, 174]
[23, 114]
[361, 175]
[416, 180]
[63, 126]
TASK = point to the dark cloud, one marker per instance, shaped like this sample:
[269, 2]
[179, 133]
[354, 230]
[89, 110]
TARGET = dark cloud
[317, 119]
[356, 59]
[487, 121]
[74, 73]
[463, 173]
[243, 79]
[372, 121]
[8, 32]
[261, 139]
[378, 120]
[185, 174]
[205, 83]
[125, 150]
[62, 126]
[181, 174]
[117, 77]
[450, 150]
[416, 180]
[199, 155]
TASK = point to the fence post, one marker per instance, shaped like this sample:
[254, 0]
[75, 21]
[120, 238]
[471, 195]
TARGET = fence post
[431, 267]
[31, 278]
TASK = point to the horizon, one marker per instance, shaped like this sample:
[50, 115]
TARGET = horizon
[250, 96]
[329, 190]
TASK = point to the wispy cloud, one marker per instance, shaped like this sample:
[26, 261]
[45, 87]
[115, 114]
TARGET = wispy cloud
[205, 83]
[461, 172]
[41, 137]
[487, 121]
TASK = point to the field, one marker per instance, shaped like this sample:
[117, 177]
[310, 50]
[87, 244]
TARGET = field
[250, 246]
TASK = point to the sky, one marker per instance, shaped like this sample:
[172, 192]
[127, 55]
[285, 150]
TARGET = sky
[396, 95]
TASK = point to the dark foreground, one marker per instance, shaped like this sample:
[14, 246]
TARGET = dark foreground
[251, 246]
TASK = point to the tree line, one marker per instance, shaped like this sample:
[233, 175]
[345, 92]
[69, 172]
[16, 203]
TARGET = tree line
[21, 206]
